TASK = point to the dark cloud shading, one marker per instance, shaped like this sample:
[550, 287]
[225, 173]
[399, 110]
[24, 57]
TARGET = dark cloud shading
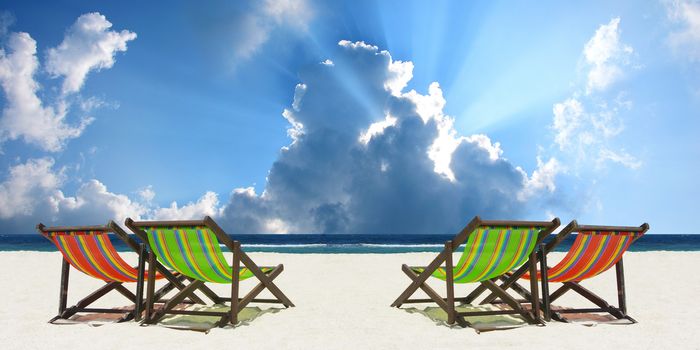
[328, 181]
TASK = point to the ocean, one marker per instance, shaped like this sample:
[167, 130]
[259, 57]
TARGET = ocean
[357, 244]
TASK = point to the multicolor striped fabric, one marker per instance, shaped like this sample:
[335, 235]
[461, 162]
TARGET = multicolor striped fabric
[194, 252]
[92, 253]
[592, 253]
[491, 252]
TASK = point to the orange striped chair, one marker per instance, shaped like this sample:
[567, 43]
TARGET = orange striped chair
[88, 249]
[595, 250]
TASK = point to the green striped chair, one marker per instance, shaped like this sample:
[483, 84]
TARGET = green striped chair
[89, 250]
[192, 248]
[493, 248]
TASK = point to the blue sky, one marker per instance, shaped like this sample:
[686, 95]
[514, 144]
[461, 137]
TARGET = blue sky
[349, 116]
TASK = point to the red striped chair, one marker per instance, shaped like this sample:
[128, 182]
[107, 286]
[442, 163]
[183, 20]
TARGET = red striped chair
[595, 250]
[88, 249]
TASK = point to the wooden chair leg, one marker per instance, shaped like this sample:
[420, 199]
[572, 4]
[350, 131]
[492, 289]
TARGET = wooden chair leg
[621, 297]
[150, 289]
[63, 297]
[63, 293]
[544, 278]
[235, 278]
[138, 305]
[534, 293]
[449, 282]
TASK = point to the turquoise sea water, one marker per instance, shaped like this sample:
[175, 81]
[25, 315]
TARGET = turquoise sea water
[358, 244]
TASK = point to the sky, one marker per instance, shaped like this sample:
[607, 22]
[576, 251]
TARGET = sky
[371, 117]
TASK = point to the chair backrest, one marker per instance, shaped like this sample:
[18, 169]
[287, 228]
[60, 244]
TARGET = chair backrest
[89, 250]
[595, 250]
[190, 247]
[496, 247]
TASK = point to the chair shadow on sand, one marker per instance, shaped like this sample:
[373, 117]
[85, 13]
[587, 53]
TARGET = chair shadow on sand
[181, 322]
[505, 322]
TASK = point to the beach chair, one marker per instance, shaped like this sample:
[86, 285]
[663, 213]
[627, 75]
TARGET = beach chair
[88, 249]
[192, 248]
[492, 249]
[595, 250]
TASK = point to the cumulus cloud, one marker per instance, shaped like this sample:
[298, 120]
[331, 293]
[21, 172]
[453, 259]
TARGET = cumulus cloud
[27, 185]
[147, 194]
[543, 178]
[206, 205]
[685, 38]
[25, 115]
[88, 45]
[255, 29]
[367, 157]
[586, 124]
[7, 19]
[606, 55]
[33, 192]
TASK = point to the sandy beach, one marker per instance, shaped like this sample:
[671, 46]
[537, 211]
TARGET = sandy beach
[343, 303]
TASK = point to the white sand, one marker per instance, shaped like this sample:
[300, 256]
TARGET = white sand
[343, 303]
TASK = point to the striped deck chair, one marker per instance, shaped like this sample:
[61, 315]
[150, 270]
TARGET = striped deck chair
[192, 248]
[88, 249]
[595, 250]
[492, 249]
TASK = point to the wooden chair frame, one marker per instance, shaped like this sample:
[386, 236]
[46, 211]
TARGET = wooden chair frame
[82, 306]
[239, 257]
[619, 312]
[445, 256]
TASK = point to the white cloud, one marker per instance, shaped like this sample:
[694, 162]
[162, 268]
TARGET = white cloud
[27, 185]
[25, 115]
[147, 194]
[606, 55]
[358, 45]
[376, 129]
[295, 13]
[375, 159]
[6, 21]
[32, 192]
[205, 205]
[93, 201]
[256, 28]
[88, 45]
[296, 129]
[543, 178]
[568, 118]
[327, 181]
[484, 142]
[685, 39]
[620, 157]
[585, 125]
